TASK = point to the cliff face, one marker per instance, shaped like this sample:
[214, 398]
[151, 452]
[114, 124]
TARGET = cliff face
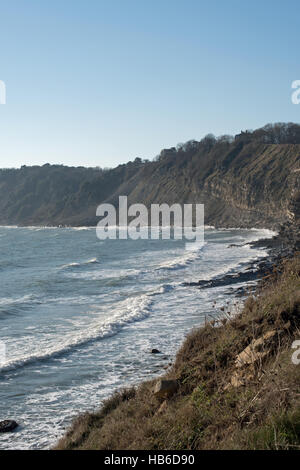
[257, 187]
[252, 180]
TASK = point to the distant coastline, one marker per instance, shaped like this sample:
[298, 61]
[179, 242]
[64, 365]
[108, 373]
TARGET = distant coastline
[249, 180]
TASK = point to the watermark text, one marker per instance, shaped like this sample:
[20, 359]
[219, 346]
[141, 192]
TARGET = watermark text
[2, 92]
[296, 354]
[2, 353]
[185, 221]
[296, 93]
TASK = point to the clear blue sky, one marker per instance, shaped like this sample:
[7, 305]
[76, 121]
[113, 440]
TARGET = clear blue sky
[100, 82]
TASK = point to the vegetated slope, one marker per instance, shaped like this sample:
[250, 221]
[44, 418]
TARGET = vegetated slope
[56, 194]
[237, 385]
[252, 179]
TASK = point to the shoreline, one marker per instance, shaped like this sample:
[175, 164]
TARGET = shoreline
[237, 277]
[257, 270]
[203, 407]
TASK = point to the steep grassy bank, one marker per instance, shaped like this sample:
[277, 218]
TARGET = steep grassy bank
[237, 385]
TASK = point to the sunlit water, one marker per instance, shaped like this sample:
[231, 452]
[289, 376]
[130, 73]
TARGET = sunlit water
[79, 317]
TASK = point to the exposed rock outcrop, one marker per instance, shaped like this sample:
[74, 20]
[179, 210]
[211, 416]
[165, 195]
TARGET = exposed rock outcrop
[165, 388]
[256, 351]
[8, 425]
[248, 363]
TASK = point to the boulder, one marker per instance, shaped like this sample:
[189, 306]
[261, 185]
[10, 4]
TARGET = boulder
[8, 425]
[165, 388]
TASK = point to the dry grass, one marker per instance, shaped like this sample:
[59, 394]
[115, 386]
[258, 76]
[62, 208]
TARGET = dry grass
[207, 412]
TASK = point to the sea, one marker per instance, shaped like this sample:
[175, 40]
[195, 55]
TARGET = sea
[79, 316]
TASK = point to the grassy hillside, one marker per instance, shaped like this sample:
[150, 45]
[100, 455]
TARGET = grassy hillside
[237, 385]
[252, 179]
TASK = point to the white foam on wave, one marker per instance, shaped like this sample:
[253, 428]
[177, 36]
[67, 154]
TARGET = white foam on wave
[181, 262]
[91, 261]
[260, 234]
[69, 265]
[230, 267]
[106, 274]
[165, 288]
[128, 311]
[249, 255]
[8, 301]
[79, 229]
[265, 232]
[83, 263]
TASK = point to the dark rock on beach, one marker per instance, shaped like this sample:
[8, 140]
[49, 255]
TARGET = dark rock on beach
[254, 272]
[281, 246]
[8, 425]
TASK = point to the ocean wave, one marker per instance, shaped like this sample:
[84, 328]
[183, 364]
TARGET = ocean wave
[108, 275]
[164, 288]
[128, 311]
[8, 301]
[238, 264]
[183, 261]
[262, 232]
[83, 263]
